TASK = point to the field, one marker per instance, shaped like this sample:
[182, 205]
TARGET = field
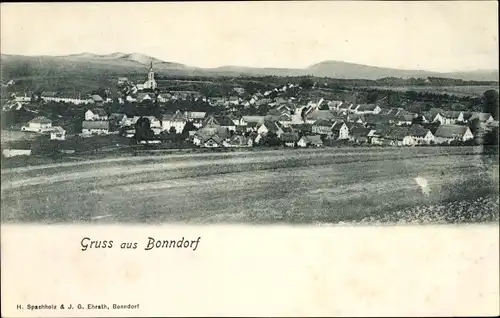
[462, 91]
[311, 186]
[10, 136]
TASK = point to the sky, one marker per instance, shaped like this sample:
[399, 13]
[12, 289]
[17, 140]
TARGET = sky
[435, 36]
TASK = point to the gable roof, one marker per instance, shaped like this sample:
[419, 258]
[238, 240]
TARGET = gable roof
[254, 119]
[289, 136]
[359, 132]
[397, 133]
[48, 94]
[366, 107]
[98, 111]
[238, 140]
[324, 123]
[177, 116]
[451, 131]
[418, 131]
[221, 120]
[95, 124]
[320, 114]
[117, 115]
[480, 116]
[314, 139]
[451, 114]
[214, 132]
[271, 125]
[40, 120]
[97, 98]
[196, 115]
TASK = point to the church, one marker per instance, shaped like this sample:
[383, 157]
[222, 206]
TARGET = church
[150, 84]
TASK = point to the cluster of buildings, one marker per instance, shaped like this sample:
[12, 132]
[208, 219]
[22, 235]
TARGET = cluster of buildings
[290, 120]
[43, 125]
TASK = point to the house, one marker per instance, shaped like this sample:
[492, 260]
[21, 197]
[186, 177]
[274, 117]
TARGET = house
[163, 98]
[345, 107]
[398, 135]
[238, 141]
[129, 133]
[367, 109]
[153, 121]
[196, 118]
[401, 119]
[22, 99]
[58, 133]
[96, 114]
[145, 97]
[417, 107]
[481, 117]
[233, 100]
[322, 127]
[49, 96]
[334, 104]
[12, 105]
[38, 124]
[316, 115]
[446, 117]
[356, 118]
[359, 135]
[269, 126]
[245, 120]
[312, 141]
[222, 121]
[420, 135]
[340, 130]
[118, 118]
[130, 99]
[95, 127]
[303, 128]
[122, 80]
[16, 152]
[290, 138]
[252, 126]
[285, 119]
[374, 120]
[97, 99]
[210, 136]
[176, 120]
[447, 133]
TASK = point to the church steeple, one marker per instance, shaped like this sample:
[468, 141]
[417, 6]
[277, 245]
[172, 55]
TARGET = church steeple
[151, 74]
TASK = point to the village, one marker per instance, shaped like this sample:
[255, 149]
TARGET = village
[282, 116]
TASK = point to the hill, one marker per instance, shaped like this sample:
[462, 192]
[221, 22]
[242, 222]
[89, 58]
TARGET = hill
[16, 66]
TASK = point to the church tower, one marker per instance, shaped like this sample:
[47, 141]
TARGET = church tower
[151, 83]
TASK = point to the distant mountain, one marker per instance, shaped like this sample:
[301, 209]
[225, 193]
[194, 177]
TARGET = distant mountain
[15, 66]
[345, 70]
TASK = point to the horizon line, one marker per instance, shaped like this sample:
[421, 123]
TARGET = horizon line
[256, 67]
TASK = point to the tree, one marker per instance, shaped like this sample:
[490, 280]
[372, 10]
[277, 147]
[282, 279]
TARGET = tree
[172, 130]
[490, 102]
[271, 139]
[417, 120]
[306, 83]
[189, 126]
[143, 129]
[263, 109]
[371, 97]
[491, 137]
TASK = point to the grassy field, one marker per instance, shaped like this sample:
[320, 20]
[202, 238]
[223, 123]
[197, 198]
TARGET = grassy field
[10, 136]
[473, 91]
[310, 186]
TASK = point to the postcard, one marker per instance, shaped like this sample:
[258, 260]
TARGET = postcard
[260, 158]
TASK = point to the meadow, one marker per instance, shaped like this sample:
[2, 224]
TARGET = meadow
[461, 91]
[317, 186]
